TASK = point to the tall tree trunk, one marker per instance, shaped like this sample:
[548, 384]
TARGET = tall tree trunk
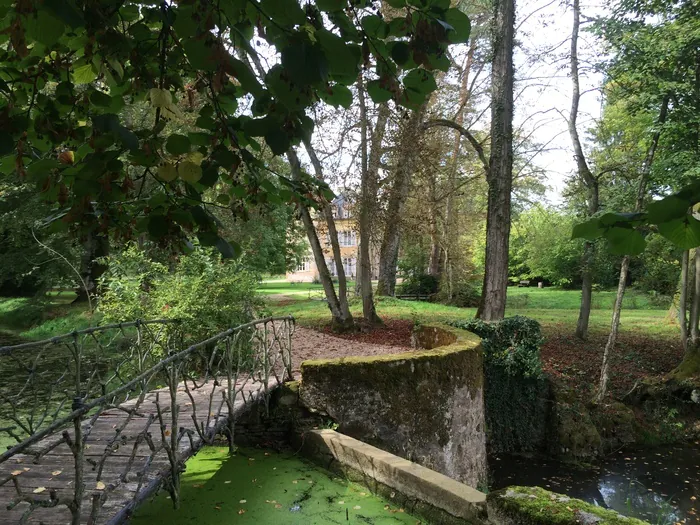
[406, 154]
[95, 246]
[500, 175]
[695, 305]
[587, 179]
[450, 215]
[341, 318]
[683, 301]
[624, 269]
[332, 234]
[368, 195]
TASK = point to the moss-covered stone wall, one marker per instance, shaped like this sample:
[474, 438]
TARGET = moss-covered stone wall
[426, 406]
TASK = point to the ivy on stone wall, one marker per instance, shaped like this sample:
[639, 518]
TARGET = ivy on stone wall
[516, 392]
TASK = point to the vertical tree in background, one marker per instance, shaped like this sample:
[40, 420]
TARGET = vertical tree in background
[500, 173]
[586, 178]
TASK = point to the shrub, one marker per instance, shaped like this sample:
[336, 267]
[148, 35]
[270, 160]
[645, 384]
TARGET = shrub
[464, 295]
[206, 294]
[516, 391]
[420, 284]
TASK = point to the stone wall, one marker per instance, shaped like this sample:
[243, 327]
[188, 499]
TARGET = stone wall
[425, 406]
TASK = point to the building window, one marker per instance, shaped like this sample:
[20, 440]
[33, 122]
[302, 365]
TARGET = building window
[304, 265]
[347, 238]
[350, 266]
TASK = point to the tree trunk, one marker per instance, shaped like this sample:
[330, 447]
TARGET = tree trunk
[695, 305]
[624, 269]
[333, 236]
[614, 329]
[683, 301]
[500, 174]
[389, 251]
[341, 318]
[587, 179]
[368, 195]
[450, 205]
[95, 246]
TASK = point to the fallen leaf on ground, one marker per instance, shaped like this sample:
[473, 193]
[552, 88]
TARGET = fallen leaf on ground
[16, 472]
[357, 507]
[242, 501]
[39, 490]
[56, 472]
[227, 482]
[100, 485]
[241, 511]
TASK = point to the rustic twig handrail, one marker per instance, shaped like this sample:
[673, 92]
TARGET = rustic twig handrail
[134, 375]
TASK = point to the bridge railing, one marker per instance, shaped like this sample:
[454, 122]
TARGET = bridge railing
[162, 402]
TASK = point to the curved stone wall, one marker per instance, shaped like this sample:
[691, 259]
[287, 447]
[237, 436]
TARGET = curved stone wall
[426, 406]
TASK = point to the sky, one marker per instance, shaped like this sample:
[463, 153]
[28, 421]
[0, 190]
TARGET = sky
[543, 84]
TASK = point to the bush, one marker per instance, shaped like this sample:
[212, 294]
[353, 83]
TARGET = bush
[516, 391]
[420, 284]
[464, 295]
[206, 294]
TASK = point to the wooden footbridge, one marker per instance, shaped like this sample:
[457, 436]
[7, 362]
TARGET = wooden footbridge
[104, 417]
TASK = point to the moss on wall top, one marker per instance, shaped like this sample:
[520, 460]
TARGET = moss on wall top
[453, 339]
[537, 506]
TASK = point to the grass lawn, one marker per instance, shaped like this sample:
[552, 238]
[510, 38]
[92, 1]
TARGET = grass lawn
[40, 319]
[552, 307]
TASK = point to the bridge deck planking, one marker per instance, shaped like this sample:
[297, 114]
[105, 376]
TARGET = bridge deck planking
[122, 495]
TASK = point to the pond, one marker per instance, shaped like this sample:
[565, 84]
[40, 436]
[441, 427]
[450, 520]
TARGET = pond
[264, 486]
[660, 485]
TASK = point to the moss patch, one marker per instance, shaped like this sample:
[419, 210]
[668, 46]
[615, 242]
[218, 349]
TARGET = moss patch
[537, 506]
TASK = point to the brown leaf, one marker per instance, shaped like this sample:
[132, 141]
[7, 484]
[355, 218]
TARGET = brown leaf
[39, 490]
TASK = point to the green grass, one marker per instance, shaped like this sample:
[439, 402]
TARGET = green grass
[41, 318]
[519, 298]
[651, 322]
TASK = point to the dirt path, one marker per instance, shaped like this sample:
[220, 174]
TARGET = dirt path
[310, 344]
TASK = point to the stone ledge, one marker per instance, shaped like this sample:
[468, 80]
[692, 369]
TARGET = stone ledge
[459, 501]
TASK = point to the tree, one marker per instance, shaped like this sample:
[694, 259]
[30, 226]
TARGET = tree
[500, 173]
[69, 69]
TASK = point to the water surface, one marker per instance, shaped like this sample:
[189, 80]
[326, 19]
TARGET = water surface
[659, 485]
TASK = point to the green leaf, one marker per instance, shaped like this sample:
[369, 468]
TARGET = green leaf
[42, 167]
[246, 77]
[330, 5]
[67, 11]
[421, 81]
[338, 96]
[377, 93]
[343, 58]
[400, 52]
[374, 26]
[228, 251]
[284, 12]
[84, 74]
[624, 241]
[396, 3]
[189, 171]
[178, 144]
[460, 24]
[684, 233]
[46, 27]
[199, 54]
[305, 63]
[667, 209]
[278, 140]
[101, 100]
[589, 230]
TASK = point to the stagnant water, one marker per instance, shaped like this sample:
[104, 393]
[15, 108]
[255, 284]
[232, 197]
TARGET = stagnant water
[659, 485]
[265, 487]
